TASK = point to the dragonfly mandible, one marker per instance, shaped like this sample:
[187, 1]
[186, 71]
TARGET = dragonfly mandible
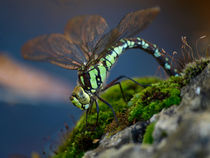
[88, 47]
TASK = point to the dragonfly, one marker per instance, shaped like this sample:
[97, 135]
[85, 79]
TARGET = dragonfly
[89, 47]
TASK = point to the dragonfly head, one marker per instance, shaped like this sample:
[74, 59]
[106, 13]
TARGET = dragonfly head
[80, 98]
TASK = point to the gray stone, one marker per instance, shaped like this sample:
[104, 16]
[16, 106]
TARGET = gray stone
[127, 151]
[190, 140]
[196, 95]
[132, 134]
[166, 125]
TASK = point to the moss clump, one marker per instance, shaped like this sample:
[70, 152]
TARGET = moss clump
[195, 68]
[148, 138]
[82, 139]
[154, 98]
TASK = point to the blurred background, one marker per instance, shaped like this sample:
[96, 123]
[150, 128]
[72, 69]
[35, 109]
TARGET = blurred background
[34, 108]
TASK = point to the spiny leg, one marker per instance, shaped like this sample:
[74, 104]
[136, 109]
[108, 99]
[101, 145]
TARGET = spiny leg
[89, 110]
[109, 106]
[123, 76]
[97, 110]
[86, 116]
[115, 83]
[120, 77]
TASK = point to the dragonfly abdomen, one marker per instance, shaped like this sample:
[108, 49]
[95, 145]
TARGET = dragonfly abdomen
[112, 55]
[159, 54]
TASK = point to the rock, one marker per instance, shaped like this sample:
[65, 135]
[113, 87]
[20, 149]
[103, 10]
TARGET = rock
[190, 140]
[180, 131]
[196, 95]
[195, 99]
[132, 134]
[128, 150]
[166, 124]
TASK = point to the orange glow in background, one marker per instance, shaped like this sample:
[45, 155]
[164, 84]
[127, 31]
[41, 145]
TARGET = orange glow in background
[20, 80]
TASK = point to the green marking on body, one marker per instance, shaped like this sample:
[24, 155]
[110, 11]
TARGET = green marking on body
[110, 58]
[114, 54]
[76, 102]
[128, 43]
[92, 90]
[157, 53]
[108, 64]
[93, 73]
[82, 80]
[86, 106]
[118, 50]
[102, 71]
[125, 45]
[146, 45]
[175, 70]
[91, 67]
[138, 38]
[167, 66]
[132, 43]
[143, 43]
[166, 59]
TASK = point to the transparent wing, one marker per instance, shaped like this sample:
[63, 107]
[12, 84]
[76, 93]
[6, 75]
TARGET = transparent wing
[130, 25]
[56, 49]
[85, 31]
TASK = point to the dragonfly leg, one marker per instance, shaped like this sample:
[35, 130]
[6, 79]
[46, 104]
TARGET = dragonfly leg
[97, 110]
[101, 99]
[123, 76]
[115, 83]
[86, 116]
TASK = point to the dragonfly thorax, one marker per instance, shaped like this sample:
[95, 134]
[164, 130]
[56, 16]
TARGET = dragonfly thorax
[80, 98]
[92, 79]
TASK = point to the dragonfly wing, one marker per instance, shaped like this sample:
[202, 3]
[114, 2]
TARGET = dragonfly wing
[56, 49]
[85, 31]
[130, 25]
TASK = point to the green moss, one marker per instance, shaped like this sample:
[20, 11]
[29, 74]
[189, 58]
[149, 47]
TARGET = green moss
[148, 138]
[143, 103]
[82, 139]
[195, 68]
[154, 98]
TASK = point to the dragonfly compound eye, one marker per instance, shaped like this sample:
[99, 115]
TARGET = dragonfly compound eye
[80, 98]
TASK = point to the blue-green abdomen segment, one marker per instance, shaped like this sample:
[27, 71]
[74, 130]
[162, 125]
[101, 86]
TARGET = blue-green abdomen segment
[128, 43]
